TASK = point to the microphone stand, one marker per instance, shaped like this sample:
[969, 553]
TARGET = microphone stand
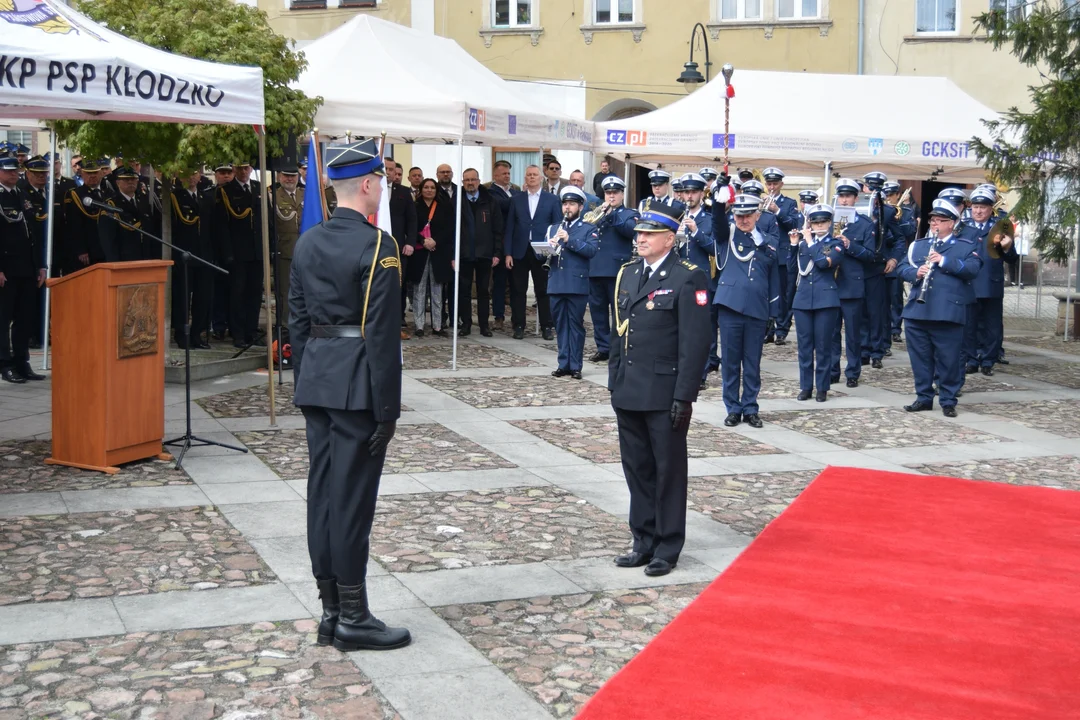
[188, 440]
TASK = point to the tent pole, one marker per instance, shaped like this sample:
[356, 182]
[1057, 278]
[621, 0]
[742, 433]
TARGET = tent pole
[626, 179]
[453, 321]
[264, 176]
[49, 246]
[825, 181]
[543, 179]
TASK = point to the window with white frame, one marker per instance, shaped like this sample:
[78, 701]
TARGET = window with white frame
[608, 12]
[1014, 9]
[511, 13]
[935, 16]
[739, 10]
[797, 9]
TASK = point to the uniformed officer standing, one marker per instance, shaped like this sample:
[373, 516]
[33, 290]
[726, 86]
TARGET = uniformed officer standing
[288, 208]
[661, 319]
[747, 292]
[852, 289]
[345, 316]
[701, 251]
[187, 235]
[235, 224]
[888, 248]
[119, 243]
[786, 212]
[816, 258]
[22, 272]
[677, 190]
[894, 284]
[615, 233]
[35, 184]
[660, 182]
[568, 280]
[985, 328]
[940, 269]
[81, 246]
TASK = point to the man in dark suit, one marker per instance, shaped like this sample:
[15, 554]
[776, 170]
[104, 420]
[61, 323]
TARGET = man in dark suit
[345, 302]
[531, 213]
[662, 319]
[481, 250]
[118, 242]
[187, 234]
[501, 190]
[403, 225]
[238, 239]
[22, 272]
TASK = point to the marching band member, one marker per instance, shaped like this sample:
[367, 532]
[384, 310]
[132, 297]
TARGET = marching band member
[575, 243]
[660, 180]
[887, 252]
[985, 328]
[615, 236]
[940, 269]
[710, 175]
[746, 293]
[815, 258]
[894, 285]
[857, 254]
[806, 199]
[677, 190]
[786, 212]
[700, 251]
[959, 200]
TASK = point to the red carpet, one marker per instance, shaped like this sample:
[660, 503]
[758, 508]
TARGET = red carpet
[879, 595]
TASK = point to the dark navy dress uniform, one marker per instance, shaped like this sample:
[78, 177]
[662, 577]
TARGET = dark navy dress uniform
[935, 329]
[21, 260]
[615, 238]
[787, 218]
[747, 295]
[985, 329]
[701, 251]
[344, 322]
[659, 178]
[656, 360]
[816, 305]
[886, 246]
[908, 229]
[568, 285]
[857, 257]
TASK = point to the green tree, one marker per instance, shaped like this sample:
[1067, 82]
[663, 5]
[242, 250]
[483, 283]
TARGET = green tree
[219, 30]
[1037, 151]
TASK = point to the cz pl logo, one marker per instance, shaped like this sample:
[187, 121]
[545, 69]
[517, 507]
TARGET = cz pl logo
[876, 145]
[616, 137]
[477, 120]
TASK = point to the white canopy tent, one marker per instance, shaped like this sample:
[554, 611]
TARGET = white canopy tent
[440, 96]
[801, 121]
[60, 65]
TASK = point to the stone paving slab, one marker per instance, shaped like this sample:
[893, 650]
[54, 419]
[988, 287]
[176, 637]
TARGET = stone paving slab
[44, 503]
[597, 439]
[39, 622]
[867, 428]
[23, 469]
[502, 392]
[415, 449]
[1060, 471]
[1064, 374]
[1043, 342]
[419, 533]
[486, 692]
[747, 503]
[562, 649]
[437, 354]
[900, 380]
[590, 349]
[239, 671]
[129, 552]
[773, 387]
[254, 402]
[1053, 416]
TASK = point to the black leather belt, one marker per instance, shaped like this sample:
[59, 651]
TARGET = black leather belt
[335, 331]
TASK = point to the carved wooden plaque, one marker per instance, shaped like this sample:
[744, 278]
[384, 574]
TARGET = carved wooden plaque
[136, 319]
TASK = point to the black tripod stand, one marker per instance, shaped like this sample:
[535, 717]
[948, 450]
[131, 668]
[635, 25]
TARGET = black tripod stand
[188, 440]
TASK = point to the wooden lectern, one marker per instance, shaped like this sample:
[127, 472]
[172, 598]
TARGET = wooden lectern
[108, 379]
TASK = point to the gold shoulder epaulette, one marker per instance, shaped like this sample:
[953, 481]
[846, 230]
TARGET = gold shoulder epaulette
[689, 264]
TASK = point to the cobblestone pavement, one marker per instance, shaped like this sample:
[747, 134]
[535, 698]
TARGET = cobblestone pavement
[773, 387]
[746, 503]
[23, 469]
[1043, 342]
[597, 439]
[901, 380]
[590, 348]
[254, 402]
[871, 428]
[126, 552]
[562, 649]
[416, 533]
[437, 353]
[1060, 373]
[526, 391]
[1054, 416]
[1062, 471]
[264, 670]
[414, 449]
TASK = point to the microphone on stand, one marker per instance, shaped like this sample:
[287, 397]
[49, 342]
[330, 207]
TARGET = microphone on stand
[104, 207]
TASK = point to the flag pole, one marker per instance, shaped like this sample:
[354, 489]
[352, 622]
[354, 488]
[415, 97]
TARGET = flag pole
[319, 175]
[264, 176]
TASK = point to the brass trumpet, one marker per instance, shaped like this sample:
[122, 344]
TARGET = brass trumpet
[595, 215]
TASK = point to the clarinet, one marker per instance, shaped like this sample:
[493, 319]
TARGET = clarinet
[558, 248]
[921, 297]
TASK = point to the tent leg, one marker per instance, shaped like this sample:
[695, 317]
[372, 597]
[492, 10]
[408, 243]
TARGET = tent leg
[453, 321]
[265, 176]
[825, 181]
[543, 179]
[49, 248]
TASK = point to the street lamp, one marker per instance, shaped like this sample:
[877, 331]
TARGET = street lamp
[690, 77]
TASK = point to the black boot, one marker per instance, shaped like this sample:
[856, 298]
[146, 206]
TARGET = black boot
[358, 629]
[330, 609]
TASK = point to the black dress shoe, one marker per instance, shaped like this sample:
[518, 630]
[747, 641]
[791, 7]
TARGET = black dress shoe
[770, 339]
[464, 333]
[853, 382]
[876, 364]
[949, 411]
[658, 567]
[11, 377]
[897, 339]
[1002, 361]
[971, 369]
[549, 334]
[753, 420]
[27, 374]
[732, 419]
[987, 371]
[598, 357]
[805, 394]
[418, 333]
[888, 352]
[834, 379]
[201, 345]
[703, 386]
[633, 560]
[781, 341]
[822, 395]
[485, 332]
[866, 361]
[919, 406]
[559, 372]
[519, 333]
[576, 375]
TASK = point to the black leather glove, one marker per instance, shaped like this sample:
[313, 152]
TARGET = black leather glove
[384, 433]
[724, 180]
[680, 415]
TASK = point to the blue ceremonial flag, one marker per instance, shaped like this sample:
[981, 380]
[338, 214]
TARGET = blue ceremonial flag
[314, 202]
